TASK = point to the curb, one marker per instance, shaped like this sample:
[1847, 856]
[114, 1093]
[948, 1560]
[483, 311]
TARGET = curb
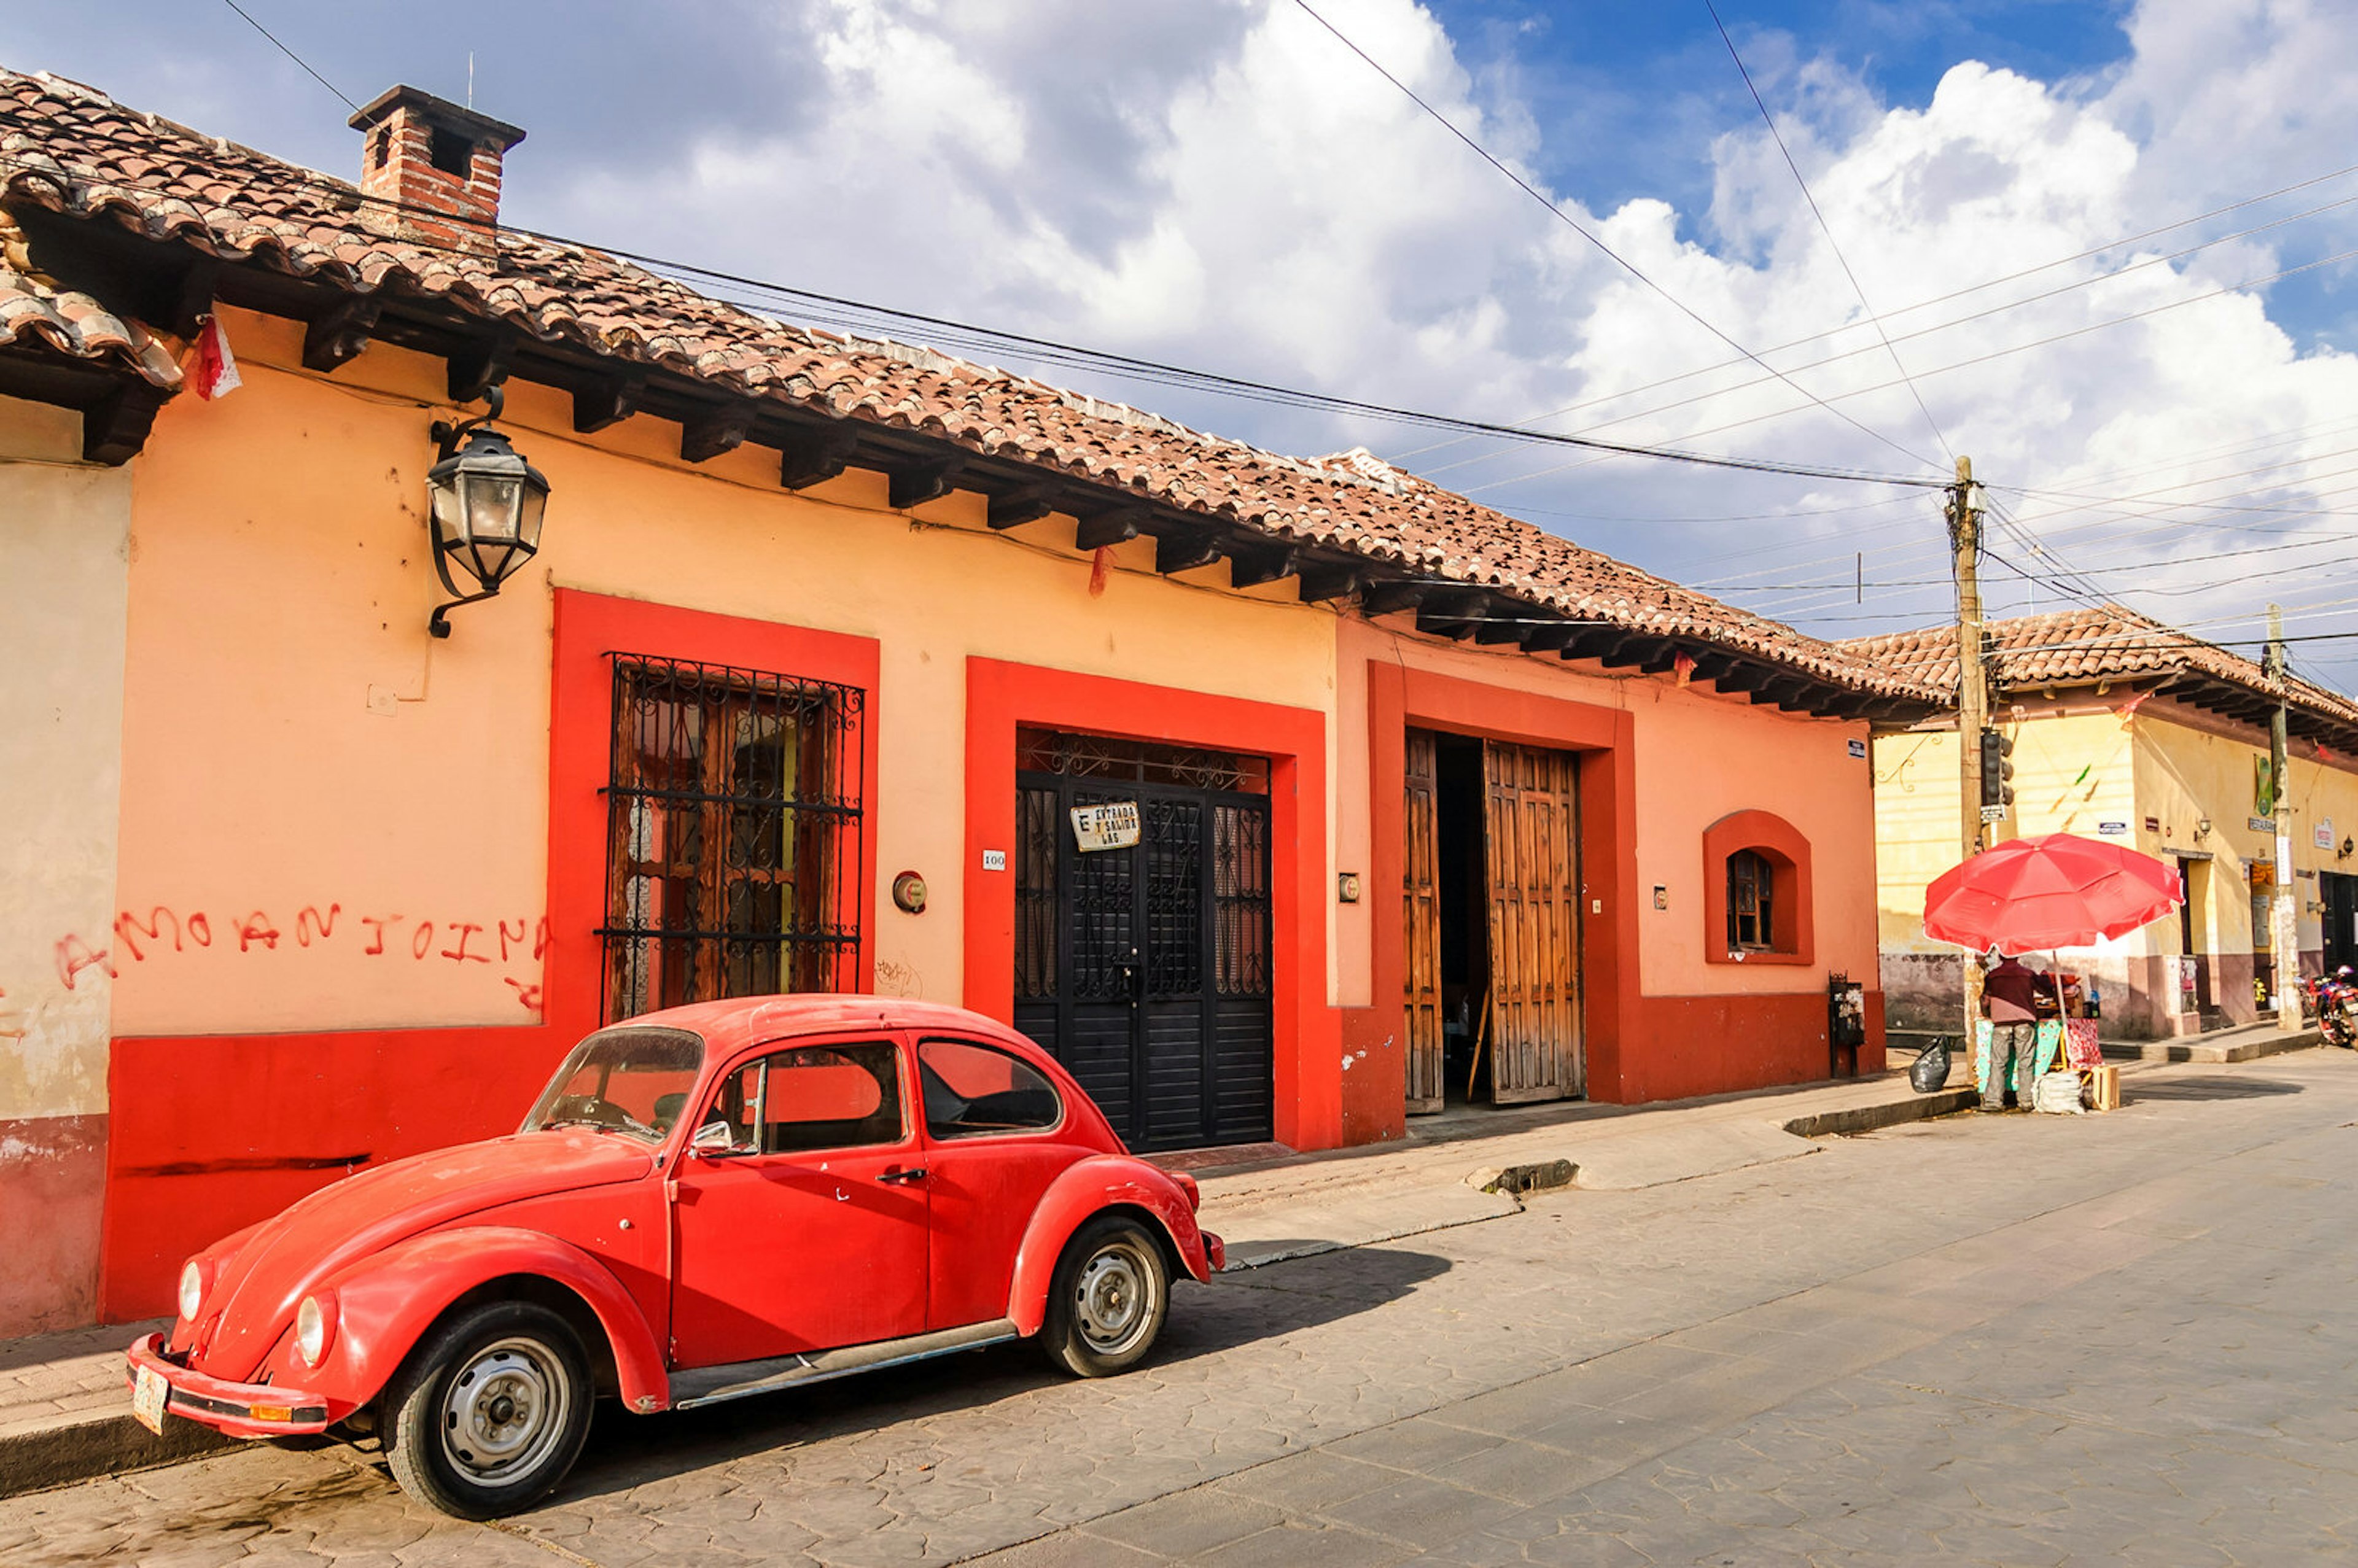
[2219, 1051]
[1894, 1113]
[105, 1442]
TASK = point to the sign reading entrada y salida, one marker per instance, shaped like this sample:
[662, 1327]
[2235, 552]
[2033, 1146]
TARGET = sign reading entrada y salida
[1112, 826]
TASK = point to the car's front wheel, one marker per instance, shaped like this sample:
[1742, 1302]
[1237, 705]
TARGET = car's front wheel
[489, 1411]
[1107, 1300]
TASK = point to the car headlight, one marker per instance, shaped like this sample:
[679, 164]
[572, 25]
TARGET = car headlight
[192, 1290]
[315, 1325]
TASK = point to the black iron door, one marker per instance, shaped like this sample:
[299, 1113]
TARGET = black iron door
[1145, 970]
[2339, 895]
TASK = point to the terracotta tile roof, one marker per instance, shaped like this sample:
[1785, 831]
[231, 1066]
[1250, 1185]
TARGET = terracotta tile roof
[74, 151]
[2079, 647]
[35, 310]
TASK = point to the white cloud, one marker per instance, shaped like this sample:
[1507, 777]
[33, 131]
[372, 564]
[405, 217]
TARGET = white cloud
[1234, 191]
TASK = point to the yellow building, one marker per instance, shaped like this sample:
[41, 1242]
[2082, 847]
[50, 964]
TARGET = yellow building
[2129, 730]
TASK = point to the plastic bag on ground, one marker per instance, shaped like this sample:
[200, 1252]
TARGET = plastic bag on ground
[1932, 1067]
[2057, 1093]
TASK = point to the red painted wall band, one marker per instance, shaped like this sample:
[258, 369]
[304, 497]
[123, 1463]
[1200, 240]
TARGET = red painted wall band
[210, 1133]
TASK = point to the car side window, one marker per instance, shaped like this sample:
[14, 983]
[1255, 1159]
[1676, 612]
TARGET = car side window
[973, 1090]
[811, 1097]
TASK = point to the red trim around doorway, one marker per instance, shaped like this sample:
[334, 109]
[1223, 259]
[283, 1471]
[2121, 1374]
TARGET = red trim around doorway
[1605, 739]
[1001, 696]
[209, 1133]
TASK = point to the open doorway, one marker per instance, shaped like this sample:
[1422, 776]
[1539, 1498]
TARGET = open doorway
[1492, 905]
[1464, 900]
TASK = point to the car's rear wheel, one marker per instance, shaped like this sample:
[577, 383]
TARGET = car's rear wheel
[1108, 1298]
[489, 1411]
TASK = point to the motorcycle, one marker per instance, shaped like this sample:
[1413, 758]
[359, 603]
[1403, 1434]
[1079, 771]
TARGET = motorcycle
[2335, 999]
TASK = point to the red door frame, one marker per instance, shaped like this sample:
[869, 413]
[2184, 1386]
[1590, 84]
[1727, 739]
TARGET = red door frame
[999, 696]
[1605, 739]
[208, 1133]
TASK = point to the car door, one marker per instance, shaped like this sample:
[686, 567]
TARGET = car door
[808, 1230]
[995, 1139]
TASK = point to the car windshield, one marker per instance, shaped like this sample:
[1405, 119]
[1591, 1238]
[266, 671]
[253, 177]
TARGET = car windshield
[633, 1080]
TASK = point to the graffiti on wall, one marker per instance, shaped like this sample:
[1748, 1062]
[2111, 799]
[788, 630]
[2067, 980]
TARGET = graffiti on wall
[139, 937]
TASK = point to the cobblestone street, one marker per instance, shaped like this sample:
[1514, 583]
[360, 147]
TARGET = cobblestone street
[2025, 1340]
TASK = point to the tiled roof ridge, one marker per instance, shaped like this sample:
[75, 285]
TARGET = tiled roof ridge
[2124, 645]
[92, 157]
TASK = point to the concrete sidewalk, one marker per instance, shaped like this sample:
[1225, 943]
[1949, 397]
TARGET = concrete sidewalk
[1469, 1166]
[65, 1413]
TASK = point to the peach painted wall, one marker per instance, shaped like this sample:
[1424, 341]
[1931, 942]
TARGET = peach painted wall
[63, 530]
[295, 739]
[1699, 756]
[63, 527]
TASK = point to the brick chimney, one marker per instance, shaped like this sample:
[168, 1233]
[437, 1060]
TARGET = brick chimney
[441, 162]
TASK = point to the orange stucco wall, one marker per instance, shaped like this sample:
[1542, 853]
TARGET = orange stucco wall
[336, 833]
[295, 741]
[1699, 757]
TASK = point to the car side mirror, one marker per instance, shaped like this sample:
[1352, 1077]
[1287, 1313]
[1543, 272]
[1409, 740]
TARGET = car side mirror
[714, 1140]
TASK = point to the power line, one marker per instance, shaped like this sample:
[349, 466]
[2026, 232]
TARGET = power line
[290, 54]
[1119, 363]
[1561, 216]
[1954, 365]
[1983, 287]
[1826, 228]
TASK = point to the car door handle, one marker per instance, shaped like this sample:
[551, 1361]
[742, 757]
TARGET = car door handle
[896, 1178]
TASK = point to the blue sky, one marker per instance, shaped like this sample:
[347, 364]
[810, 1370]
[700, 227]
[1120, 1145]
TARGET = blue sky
[1632, 96]
[1220, 184]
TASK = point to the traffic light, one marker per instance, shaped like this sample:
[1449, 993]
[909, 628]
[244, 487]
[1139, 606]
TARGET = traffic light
[1997, 770]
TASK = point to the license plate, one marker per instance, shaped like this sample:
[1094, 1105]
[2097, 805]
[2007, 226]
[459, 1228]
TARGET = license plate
[148, 1394]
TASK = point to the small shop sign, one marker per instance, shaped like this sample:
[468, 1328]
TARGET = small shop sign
[2323, 837]
[1858, 750]
[2263, 824]
[1112, 826]
[2113, 830]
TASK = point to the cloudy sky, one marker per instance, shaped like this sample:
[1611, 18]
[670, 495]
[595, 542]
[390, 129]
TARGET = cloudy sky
[2100, 247]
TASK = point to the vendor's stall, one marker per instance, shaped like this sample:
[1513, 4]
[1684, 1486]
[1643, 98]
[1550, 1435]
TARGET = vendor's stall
[2039, 895]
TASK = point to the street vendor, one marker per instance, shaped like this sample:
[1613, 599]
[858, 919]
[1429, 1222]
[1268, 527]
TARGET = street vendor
[2009, 999]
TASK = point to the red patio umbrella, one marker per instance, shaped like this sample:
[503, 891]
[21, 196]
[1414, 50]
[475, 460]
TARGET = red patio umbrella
[2056, 890]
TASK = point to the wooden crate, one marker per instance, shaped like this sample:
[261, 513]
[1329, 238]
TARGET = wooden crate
[2104, 1089]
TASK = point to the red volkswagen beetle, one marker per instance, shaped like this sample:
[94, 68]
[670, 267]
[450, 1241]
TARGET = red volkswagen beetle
[707, 1203]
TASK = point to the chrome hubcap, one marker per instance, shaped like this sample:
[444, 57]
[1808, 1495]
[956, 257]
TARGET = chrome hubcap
[504, 1412]
[1116, 1298]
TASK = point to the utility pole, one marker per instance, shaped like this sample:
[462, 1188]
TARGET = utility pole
[1972, 697]
[2284, 923]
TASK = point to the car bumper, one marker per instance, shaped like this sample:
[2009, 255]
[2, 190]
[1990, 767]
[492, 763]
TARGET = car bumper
[241, 1409]
[1215, 1252]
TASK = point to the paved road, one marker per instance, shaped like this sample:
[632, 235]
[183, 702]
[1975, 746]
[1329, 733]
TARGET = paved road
[2025, 1340]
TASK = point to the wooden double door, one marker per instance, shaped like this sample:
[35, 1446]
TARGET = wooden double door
[1496, 857]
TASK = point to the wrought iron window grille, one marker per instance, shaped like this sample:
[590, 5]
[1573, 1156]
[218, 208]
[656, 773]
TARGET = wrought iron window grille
[1112, 758]
[734, 825]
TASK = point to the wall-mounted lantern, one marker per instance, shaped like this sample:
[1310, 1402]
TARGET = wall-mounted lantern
[2201, 830]
[486, 506]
